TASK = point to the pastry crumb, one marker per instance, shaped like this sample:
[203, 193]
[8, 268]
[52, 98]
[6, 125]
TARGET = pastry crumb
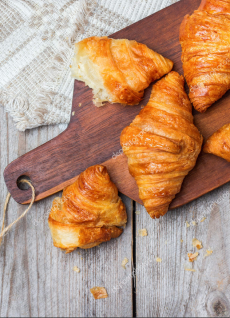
[208, 253]
[80, 104]
[76, 269]
[187, 224]
[143, 232]
[194, 223]
[196, 243]
[73, 113]
[192, 257]
[190, 269]
[138, 212]
[181, 241]
[124, 262]
[203, 219]
[99, 292]
[159, 260]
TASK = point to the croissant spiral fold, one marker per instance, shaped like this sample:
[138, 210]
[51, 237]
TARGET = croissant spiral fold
[90, 212]
[162, 144]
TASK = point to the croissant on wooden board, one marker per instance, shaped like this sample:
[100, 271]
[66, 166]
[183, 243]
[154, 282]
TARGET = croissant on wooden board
[162, 144]
[90, 212]
[118, 71]
[219, 143]
[205, 41]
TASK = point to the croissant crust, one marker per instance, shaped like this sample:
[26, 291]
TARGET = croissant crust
[219, 143]
[90, 212]
[118, 71]
[205, 41]
[162, 144]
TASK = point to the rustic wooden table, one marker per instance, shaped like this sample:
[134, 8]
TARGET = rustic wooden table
[38, 279]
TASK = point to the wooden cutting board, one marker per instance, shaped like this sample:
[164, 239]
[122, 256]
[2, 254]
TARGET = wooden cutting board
[93, 135]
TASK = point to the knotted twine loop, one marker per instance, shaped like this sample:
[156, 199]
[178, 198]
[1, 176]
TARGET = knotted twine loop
[7, 229]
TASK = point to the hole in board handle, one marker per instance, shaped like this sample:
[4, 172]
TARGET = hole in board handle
[22, 185]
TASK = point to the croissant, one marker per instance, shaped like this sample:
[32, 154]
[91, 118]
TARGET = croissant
[205, 41]
[219, 143]
[118, 71]
[90, 212]
[162, 144]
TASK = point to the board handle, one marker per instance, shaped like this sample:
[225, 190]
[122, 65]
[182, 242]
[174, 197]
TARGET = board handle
[44, 164]
[42, 172]
[37, 167]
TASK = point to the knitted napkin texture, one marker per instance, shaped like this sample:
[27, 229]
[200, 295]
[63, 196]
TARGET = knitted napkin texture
[36, 46]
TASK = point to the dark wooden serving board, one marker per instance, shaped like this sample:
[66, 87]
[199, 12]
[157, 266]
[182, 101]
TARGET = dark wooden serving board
[93, 135]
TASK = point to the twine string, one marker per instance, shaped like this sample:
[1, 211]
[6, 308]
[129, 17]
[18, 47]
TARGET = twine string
[8, 228]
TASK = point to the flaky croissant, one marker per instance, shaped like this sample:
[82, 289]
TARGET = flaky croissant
[219, 143]
[205, 41]
[118, 71]
[162, 144]
[89, 212]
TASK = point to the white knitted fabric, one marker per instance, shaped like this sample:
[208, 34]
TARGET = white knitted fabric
[36, 46]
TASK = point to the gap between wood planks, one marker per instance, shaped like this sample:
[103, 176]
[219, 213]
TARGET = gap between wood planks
[134, 261]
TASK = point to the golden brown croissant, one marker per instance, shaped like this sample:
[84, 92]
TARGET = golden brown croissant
[205, 41]
[118, 71]
[162, 144]
[88, 212]
[219, 143]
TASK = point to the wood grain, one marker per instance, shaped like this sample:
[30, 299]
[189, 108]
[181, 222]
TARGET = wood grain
[37, 279]
[166, 289]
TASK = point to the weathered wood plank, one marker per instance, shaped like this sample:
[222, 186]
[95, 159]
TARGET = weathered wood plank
[37, 279]
[165, 289]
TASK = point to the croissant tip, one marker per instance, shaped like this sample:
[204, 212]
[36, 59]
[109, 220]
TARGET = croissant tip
[102, 169]
[176, 76]
[202, 5]
[200, 107]
[156, 215]
[201, 110]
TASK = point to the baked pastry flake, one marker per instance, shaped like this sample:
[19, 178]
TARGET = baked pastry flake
[99, 292]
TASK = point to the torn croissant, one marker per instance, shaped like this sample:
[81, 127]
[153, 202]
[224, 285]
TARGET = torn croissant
[219, 143]
[162, 144]
[205, 41]
[90, 212]
[118, 71]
